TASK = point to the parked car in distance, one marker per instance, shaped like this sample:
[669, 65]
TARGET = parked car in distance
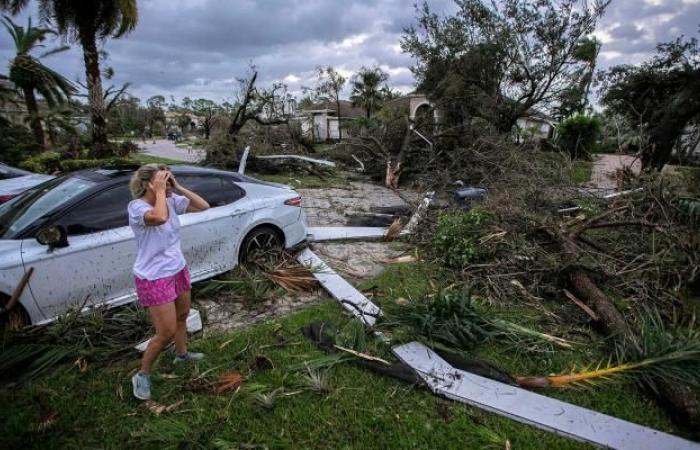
[74, 232]
[174, 136]
[14, 181]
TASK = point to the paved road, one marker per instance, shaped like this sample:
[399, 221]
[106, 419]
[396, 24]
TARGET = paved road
[167, 149]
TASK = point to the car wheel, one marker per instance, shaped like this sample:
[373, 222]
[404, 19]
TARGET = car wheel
[262, 246]
[12, 320]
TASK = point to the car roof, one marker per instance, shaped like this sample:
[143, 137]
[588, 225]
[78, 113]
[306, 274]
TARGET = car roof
[106, 173]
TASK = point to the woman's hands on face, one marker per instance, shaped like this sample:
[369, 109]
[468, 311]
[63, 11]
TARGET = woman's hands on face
[159, 183]
[176, 186]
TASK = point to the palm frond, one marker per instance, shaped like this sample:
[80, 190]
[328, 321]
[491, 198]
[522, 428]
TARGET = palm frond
[671, 355]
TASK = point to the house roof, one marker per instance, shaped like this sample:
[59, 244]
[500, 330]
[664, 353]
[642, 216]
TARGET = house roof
[329, 107]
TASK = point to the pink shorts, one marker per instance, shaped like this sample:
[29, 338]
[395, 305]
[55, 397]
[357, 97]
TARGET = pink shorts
[162, 290]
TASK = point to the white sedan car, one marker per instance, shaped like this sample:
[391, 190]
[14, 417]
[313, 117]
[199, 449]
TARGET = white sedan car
[14, 181]
[73, 231]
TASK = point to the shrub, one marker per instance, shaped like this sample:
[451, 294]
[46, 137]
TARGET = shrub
[72, 165]
[16, 144]
[456, 237]
[579, 135]
[44, 162]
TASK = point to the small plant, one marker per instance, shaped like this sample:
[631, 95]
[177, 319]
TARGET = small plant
[456, 237]
[456, 321]
[317, 381]
[267, 401]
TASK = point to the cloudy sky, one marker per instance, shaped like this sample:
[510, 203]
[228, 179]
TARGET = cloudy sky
[197, 48]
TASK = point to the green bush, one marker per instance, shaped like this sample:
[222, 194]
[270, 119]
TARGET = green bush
[44, 162]
[16, 143]
[456, 237]
[72, 165]
[579, 135]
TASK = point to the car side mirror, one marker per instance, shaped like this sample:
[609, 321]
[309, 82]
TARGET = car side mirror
[55, 236]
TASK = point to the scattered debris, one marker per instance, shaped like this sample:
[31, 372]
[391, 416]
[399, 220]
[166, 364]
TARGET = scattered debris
[349, 297]
[317, 381]
[322, 234]
[230, 381]
[267, 401]
[261, 363]
[300, 158]
[542, 412]
[466, 196]
[244, 160]
[420, 212]
[158, 409]
[394, 230]
[17, 292]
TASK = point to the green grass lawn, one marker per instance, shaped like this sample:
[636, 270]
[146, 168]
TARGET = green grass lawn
[142, 158]
[95, 409]
[581, 172]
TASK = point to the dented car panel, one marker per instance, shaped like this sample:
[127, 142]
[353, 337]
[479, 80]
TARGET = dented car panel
[95, 268]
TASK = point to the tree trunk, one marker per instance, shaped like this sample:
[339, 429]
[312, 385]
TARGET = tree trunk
[681, 400]
[34, 119]
[671, 125]
[100, 145]
[337, 111]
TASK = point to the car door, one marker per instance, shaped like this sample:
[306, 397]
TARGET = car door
[209, 238]
[96, 265]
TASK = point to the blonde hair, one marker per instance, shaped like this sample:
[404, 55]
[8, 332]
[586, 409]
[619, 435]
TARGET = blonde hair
[140, 179]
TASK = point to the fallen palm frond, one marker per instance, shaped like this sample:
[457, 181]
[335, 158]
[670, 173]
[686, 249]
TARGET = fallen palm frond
[230, 381]
[96, 336]
[457, 321]
[662, 355]
[292, 279]
[158, 409]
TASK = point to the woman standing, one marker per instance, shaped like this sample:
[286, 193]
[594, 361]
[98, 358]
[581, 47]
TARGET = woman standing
[160, 271]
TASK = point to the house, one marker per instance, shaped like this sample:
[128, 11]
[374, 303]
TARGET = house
[321, 122]
[535, 125]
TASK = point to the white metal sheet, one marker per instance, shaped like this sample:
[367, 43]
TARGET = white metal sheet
[319, 234]
[534, 409]
[349, 297]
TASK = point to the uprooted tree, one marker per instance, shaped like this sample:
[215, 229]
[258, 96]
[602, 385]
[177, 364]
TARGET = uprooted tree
[253, 110]
[498, 61]
[660, 97]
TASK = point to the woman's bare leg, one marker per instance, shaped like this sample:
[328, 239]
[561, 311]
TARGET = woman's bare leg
[182, 306]
[164, 318]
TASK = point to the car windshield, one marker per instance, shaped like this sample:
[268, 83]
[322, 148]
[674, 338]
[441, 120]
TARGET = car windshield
[24, 210]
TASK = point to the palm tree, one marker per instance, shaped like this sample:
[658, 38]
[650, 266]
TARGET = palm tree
[31, 76]
[367, 90]
[85, 21]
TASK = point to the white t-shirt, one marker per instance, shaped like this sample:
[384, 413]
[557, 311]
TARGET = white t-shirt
[158, 246]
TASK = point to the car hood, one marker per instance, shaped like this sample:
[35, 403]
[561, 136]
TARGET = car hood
[18, 185]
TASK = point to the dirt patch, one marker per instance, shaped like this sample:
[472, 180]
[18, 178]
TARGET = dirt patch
[334, 207]
[358, 260]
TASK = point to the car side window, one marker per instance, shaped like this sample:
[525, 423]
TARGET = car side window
[216, 190]
[104, 211]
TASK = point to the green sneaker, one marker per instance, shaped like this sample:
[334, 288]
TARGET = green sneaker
[142, 386]
[188, 356]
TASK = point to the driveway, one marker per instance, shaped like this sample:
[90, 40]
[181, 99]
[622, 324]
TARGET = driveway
[605, 167]
[166, 149]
